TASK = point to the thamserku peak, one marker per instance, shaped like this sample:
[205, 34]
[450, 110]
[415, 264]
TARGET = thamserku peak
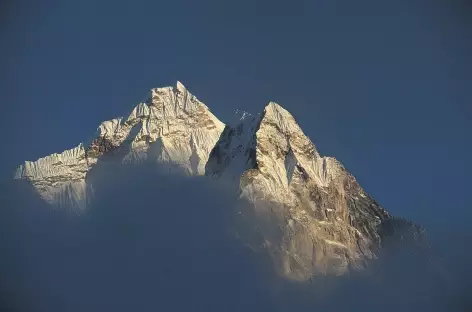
[310, 213]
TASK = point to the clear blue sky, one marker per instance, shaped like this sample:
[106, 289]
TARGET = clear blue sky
[385, 87]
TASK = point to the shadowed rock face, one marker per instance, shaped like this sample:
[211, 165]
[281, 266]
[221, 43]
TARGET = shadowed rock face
[306, 211]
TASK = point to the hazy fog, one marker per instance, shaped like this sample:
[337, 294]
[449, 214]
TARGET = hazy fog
[158, 242]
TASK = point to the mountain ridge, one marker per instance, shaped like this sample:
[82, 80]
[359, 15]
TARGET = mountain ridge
[306, 210]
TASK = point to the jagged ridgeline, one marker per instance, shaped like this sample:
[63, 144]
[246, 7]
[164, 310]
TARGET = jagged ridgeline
[306, 210]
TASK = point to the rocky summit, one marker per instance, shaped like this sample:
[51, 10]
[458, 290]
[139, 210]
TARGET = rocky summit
[306, 210]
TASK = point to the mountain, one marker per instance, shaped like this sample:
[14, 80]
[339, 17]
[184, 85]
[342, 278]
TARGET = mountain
[307, 211]
[171, 126]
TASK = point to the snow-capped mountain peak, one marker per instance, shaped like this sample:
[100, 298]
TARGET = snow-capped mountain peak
[172, 127]
[310, 213]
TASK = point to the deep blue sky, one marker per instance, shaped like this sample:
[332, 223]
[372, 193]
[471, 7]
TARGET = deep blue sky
[383, 87]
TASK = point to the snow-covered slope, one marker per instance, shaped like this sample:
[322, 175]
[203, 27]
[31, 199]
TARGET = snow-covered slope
[306, 210]
[172, 126]
[59, 178]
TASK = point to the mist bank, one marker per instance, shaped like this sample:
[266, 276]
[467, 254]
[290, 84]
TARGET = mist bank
[152, 239]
